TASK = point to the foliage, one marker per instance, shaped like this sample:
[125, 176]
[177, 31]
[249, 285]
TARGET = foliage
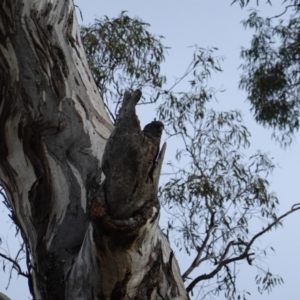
[271, 70]
[122, 53]
[177, 108]
[220, 195]
[218, 199]
[244, 3]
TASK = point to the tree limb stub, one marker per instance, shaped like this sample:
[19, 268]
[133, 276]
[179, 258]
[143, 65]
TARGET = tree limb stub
[128, 158]
[132, 252]
[129, 195]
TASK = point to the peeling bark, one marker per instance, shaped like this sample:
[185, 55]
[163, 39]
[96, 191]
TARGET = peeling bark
[88, 239]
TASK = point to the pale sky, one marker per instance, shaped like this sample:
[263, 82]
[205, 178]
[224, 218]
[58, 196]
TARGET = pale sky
[207, 23]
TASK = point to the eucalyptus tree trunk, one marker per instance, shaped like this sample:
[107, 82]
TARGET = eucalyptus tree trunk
[90, 236]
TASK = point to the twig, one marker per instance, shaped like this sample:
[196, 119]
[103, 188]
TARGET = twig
[244, 255]
[286, 8]
[200, 250]
[79, 11]
[16, 266]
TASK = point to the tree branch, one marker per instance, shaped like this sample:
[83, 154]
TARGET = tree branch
[245, 255]
[200, 250]
[16, 266]
[286, 8]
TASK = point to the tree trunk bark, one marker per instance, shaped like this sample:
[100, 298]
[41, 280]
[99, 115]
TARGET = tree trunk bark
[89, 238]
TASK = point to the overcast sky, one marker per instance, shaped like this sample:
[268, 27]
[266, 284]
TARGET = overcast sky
[208, 23]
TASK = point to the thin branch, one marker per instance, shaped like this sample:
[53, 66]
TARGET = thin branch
[286, 8]
[79, 11]
[294, 208]
[20, 250]
[110, 113]
[244, 255]
[16, 266]
[200, 250]
[231, 279]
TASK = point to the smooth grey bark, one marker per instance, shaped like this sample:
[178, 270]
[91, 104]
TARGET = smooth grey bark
[3, 297]
[53, 131]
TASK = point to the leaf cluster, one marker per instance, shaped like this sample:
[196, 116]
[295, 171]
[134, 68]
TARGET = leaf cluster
[216, 201]
[271, 71]
[244, 3]
[178, 108]
[122, 54]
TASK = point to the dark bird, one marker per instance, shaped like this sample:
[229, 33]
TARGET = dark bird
[154, 131]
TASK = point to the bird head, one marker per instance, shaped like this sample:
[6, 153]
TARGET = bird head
[155, 128]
